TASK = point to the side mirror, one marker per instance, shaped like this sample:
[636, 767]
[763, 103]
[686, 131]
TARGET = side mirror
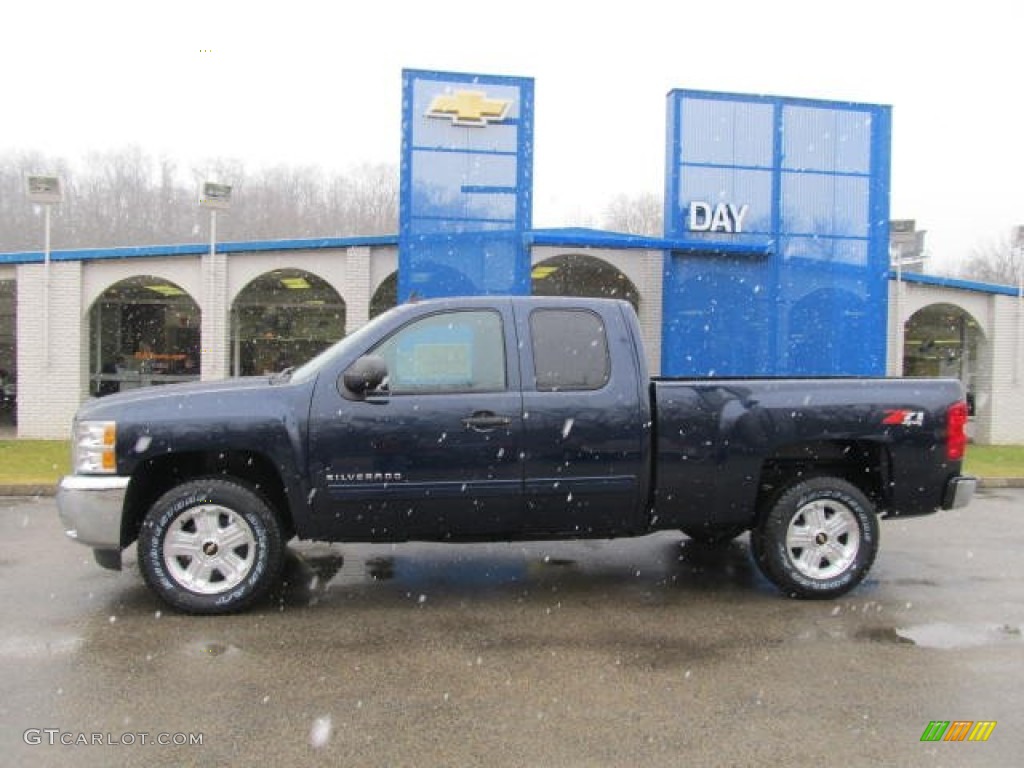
[365, 375]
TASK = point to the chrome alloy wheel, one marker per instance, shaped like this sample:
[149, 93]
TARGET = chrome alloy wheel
[823, 539]
[209, 549]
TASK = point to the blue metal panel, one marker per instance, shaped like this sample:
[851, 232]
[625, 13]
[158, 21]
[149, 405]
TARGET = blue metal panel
[713, 310]
[753, 186]
[956, 284]
[733, 133]
[465, 193]
[814, 177]
[878, 240]
[827, 138]
[824, 204]
[826, 318]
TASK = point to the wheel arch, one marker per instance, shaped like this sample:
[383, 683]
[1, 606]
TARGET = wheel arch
[865, 464]
[156, 476]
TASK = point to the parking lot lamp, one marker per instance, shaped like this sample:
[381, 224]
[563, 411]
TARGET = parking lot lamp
[46, 191]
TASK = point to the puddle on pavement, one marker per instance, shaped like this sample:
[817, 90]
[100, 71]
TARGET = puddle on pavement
[914, 582]
[558, 562]
[324, 567]
[381, 568]
[305, 577]
[883, 635]
[945, 636]
[211, 649]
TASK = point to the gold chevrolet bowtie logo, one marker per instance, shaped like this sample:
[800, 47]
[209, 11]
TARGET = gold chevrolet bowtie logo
[469, 108]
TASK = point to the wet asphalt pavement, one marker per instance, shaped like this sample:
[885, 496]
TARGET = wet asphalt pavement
[646, 652]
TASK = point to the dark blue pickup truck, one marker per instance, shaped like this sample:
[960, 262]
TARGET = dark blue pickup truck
[480, 419]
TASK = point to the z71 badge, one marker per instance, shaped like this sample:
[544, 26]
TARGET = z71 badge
[902, 418]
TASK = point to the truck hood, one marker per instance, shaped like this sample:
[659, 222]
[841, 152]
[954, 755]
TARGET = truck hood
[172, 396]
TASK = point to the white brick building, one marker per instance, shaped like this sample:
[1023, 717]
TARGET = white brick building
[47, 338]
[994, 321]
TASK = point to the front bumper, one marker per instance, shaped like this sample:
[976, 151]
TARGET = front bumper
[90, 508]
[959, 492]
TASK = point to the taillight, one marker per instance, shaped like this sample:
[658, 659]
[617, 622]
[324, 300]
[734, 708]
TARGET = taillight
[956, 431]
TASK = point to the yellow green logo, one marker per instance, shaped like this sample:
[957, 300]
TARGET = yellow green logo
[958, 730]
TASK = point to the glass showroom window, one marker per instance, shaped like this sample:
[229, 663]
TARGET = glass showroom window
[142, 331]
[282, 319]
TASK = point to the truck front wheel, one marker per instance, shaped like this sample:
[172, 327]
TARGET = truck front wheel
[210, 546]
[818, 539]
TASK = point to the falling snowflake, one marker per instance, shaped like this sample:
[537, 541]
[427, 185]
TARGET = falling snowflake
[320, 733]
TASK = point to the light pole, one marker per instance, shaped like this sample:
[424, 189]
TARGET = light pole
[213, 197]
[896, 255]
[1019, 252]
[46, 191]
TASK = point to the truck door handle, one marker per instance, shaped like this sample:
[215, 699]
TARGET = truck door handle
[483, 421]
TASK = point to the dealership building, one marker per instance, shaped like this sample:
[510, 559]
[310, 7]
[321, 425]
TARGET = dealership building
[775, 261]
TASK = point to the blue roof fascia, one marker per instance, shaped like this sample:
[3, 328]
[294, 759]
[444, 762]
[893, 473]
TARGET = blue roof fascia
[198, 249]
[720, 248]
[308, 244]
[577, 237]
[90, 254]
[953, 282]
[593, 238]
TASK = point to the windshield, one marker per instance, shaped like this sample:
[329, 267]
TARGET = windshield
[354, 340]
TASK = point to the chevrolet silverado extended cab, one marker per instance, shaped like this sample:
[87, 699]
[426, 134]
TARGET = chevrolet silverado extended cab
[482, 419]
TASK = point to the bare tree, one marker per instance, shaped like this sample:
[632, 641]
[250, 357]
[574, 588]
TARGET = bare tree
[127, 197]
[115, 200]
[366, 201]
[637, 214]
[276, 202]
[21, 226]
[998, 262]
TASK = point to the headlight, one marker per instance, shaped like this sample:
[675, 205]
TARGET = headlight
[94, 448]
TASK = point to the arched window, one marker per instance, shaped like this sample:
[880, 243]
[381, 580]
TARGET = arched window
[281, 319]
[943, 340]
[143, 330]
[386, 295]
[577, 274]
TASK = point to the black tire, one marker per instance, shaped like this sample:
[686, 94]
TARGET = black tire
[818, 540]
[211, 546]
[714, 535]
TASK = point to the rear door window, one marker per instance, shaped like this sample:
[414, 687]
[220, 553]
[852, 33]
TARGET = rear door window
[570, 350]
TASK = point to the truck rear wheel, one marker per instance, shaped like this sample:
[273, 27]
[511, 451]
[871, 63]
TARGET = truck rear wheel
[210, 546]
[818, 539]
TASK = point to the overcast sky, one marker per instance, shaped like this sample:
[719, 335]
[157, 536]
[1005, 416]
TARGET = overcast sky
[303, 82]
